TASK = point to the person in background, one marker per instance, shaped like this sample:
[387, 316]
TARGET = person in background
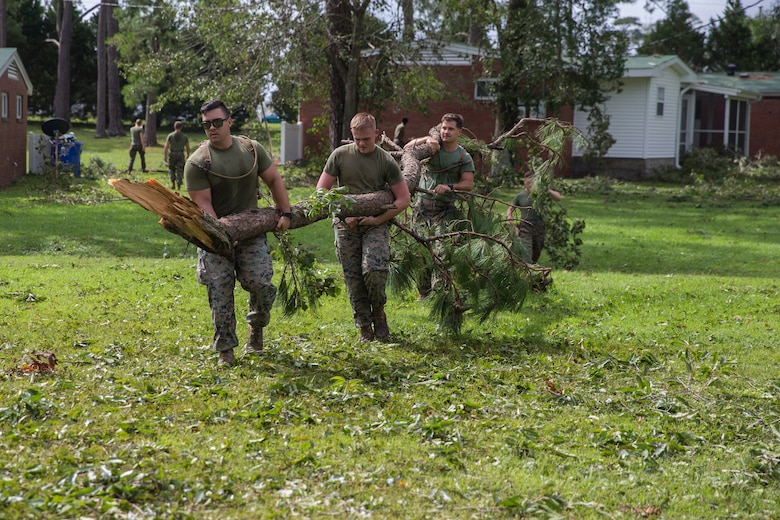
[363, 243]
[449, 169]
[137, 146]
[222, 177]
[530, 228]
[399, 137]
[176, 144]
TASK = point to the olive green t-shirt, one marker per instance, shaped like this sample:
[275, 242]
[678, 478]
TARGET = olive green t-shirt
[363, 173]
[135, 135]
[177, 141]
[445, 168]
[232, 191]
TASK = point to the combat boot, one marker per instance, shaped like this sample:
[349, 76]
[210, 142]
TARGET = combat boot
[381, 329]
[227, 358]
[366, 333]
[254, 341]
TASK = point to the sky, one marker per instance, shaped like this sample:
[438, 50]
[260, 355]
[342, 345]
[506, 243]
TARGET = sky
[703, 9]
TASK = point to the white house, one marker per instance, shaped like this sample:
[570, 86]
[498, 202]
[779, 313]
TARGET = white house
[664, 110]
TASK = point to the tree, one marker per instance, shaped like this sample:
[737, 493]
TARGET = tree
[679, 33]
[3, 23]
[115, 127]
[32, 29]
[101, 105]
[560, 53]
[64, 35]
[144, 34]
[765, 30]
[730, 41]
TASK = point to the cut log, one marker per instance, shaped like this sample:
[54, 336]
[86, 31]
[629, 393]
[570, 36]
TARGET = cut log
[183, 217]
[178, 214]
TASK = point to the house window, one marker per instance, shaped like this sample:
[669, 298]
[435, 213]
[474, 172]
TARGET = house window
[659, 105]
[4, 109]
[485, 89]
[738, 126]
[536, 110]
[19, 107]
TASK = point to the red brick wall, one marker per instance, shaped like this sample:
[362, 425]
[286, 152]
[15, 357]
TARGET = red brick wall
[478, 116]
[764, 117]
[13, 133]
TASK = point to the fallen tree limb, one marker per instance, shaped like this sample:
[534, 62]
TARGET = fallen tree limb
[183, 217]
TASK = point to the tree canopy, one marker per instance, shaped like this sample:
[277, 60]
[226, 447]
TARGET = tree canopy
[679, 33]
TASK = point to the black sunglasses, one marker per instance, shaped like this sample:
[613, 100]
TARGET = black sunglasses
[217, 123]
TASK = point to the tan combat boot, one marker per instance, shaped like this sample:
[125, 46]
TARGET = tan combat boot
[254, 341]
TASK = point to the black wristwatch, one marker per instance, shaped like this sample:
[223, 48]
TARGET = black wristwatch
[449, 185]
[288, 214]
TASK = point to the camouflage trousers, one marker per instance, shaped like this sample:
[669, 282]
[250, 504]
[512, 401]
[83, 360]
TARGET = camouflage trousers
[364, 254]
[531, 236]
[176, 167]
[253, 268]
[431, 218]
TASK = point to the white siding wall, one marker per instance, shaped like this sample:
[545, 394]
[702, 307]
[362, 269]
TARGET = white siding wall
[662, 130]
[638, 132]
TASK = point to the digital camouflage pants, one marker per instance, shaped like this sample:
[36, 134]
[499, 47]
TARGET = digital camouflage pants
[176, 167]
[431, 218]
[531, 235]
[253, 268]
[364, 254]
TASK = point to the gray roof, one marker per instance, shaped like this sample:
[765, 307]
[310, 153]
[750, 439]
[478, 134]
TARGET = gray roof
[765, 83]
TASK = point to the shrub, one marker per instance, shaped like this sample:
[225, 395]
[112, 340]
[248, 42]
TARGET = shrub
[708, 164]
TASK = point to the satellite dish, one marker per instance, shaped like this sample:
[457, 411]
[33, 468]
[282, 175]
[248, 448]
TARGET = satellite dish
[55, 127]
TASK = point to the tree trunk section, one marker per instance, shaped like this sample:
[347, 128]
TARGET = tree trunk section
[101, 116]
[115, 127]
[183, 217]
[3, 23]
[150, 134]
[62, 94]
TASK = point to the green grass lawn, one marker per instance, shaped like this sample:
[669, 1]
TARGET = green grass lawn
[643, 384]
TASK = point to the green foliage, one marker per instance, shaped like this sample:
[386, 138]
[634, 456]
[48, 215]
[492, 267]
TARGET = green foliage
[476, 260]
[97, 168]
[563, 241]
[546, 40]
[677, 34]
[730, 41]
[32, 29]
[709, 164]
[303, 282]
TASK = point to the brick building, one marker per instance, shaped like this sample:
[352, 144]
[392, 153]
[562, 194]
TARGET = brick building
[15, 86]
[764, 114]
[663, 111]
[456, 66]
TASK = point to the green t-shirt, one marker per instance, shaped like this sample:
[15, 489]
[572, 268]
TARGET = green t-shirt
[527, 212]
[178, 141]
[231, 190]
[445, 168]
[135, 135]
[363, 173]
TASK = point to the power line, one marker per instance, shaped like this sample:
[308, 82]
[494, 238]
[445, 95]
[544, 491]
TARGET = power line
[712, 22]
